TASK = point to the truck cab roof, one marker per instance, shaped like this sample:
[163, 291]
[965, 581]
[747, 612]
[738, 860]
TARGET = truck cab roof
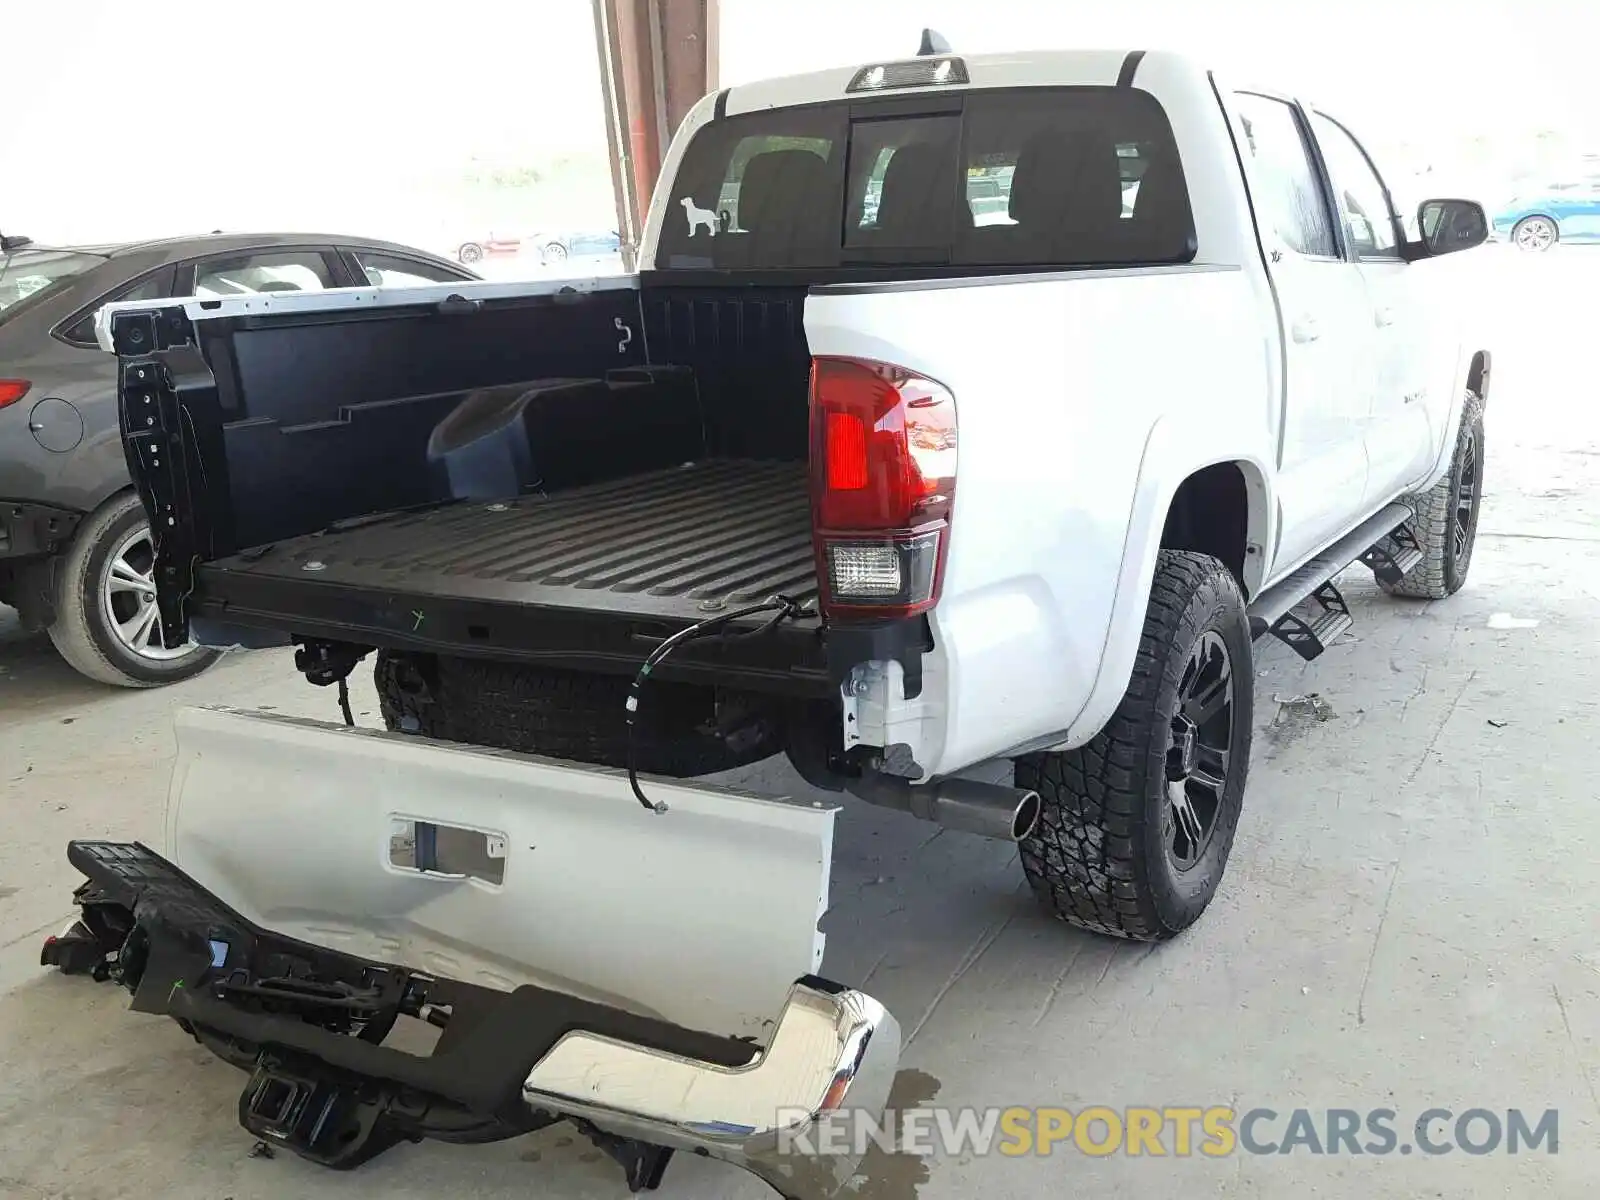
[1034, 68]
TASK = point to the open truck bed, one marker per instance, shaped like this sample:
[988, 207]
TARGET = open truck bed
[556, 474]
[658, 551]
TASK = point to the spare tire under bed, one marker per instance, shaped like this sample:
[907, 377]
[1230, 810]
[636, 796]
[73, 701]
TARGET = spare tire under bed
[569, 715]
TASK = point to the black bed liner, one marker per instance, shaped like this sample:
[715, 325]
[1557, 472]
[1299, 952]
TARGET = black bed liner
[678, 543]
[547, 578]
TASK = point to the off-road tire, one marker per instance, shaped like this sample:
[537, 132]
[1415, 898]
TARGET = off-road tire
[81, 630]
[574, 716]
[1444, 568]
[1098, 858]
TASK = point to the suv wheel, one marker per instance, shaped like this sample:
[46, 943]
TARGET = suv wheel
[106, 623]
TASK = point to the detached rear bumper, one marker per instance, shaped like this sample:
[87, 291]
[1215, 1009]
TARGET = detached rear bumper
[308, 1025]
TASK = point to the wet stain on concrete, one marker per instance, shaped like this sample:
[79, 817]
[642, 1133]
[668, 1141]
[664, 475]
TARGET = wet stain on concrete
[898, 1175]
[882, 1174]
[1297, 716]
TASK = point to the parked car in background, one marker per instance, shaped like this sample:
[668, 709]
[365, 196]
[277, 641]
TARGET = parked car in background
[493, 245]
[1538, 218]
[76, 556]
[552, 247]
[558, 247]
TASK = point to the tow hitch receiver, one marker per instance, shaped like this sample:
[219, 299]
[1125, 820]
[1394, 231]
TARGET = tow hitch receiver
[308, 1025]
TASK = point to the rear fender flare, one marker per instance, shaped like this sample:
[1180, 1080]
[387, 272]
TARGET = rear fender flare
[1174, 450]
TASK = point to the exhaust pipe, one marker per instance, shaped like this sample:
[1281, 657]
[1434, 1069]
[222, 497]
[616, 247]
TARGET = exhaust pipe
[992, 810]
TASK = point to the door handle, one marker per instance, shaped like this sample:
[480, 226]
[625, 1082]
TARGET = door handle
[1305, 330]
[1385, 317]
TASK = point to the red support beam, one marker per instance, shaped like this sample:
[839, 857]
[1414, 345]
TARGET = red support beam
[658, 57]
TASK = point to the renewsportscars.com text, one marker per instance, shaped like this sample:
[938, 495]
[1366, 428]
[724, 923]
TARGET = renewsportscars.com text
[1214, 1132]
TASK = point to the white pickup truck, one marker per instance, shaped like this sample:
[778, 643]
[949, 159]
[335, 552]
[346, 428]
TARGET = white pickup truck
[862, 467]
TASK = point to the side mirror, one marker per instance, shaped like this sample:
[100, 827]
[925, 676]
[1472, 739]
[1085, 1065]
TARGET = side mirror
[1450, 225]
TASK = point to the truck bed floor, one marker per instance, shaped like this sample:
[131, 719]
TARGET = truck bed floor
[681, 544]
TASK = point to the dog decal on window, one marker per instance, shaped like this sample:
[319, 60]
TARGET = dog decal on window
[699, 216]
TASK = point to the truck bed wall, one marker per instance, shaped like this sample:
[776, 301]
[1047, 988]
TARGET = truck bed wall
[747, 348]
[326, 417]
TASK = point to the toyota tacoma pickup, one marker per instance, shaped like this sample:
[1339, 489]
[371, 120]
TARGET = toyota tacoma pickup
[970, 512]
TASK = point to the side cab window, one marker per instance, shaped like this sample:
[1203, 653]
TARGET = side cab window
[393, 270]
[1291, 203]
[248, 272]
[1360, 193]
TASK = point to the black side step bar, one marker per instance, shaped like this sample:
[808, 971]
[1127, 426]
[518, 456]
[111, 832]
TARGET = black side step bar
[1393, 556]
[1306, 611]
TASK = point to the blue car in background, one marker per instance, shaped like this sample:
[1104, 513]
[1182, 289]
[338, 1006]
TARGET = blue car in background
[556, 248]
[1559, 212]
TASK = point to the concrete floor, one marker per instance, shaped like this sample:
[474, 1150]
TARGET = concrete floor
[1408, 919]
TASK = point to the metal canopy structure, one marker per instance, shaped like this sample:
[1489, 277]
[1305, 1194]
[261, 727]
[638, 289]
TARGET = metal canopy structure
[657, 58]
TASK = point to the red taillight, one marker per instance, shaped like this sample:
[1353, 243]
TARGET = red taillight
[846, 452]
[12, 390]
[883, 462]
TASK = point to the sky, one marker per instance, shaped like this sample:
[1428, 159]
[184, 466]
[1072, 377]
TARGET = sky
[346, 114]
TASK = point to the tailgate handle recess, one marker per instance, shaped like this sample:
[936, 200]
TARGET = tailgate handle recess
[447, 851]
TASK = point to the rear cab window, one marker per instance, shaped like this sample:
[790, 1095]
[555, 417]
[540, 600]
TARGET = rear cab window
[1033, 177]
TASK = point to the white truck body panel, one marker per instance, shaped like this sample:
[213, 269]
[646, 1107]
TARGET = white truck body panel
[1085, 398]
[704, 915]
[1070, 449]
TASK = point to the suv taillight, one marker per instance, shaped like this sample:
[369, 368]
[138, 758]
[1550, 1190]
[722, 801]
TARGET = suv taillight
[12, 390]
[883, 476]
